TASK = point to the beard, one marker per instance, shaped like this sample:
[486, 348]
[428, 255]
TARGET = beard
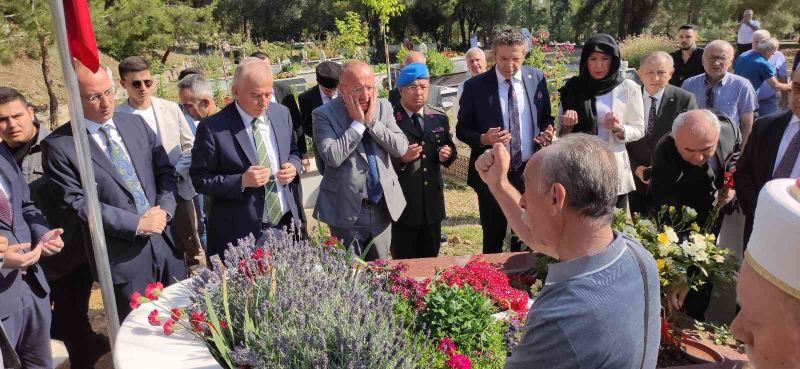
[686, 48]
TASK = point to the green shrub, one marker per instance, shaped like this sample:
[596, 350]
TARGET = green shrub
[636, 47]
[438, 64]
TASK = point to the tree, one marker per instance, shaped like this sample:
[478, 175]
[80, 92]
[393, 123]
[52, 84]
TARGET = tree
[384, 10]
[30, 24]
[351, 35]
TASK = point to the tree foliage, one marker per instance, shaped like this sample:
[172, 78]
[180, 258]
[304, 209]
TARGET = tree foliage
[351, 35]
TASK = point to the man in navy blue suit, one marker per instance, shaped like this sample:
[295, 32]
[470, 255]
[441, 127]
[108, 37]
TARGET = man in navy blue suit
[135, 186]
[245, 158]
[507, 104]
[24, 237]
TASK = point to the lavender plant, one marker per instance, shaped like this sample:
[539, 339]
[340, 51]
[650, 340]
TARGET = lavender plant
[292, 304]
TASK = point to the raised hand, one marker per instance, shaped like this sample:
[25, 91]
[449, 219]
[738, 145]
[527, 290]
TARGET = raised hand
[493, 165]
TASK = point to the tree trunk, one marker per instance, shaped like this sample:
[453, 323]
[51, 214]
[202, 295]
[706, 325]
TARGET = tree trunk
[166, 55]
[462, 27]
[386, 54]
[48, 80]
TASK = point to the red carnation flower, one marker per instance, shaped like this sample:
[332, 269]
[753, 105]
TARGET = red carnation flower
[198, 320]
[459, 361]
[135, 300]
[153, 290]
[153, 318]
[223, 324]
[176, 313]
[258, 254]
[447, 345]
[169, 327]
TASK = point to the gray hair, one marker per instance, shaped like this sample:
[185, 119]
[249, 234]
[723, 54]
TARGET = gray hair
[198, 85]
[767, 46]
[660, 55]
[685, 117]
[473, 51]
[722, 44]
[586, 168]
[245, 65]
[509, 37]
[761, 35]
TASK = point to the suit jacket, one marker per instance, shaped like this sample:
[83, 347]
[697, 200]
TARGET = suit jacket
[674, 101]
[679, 183]
[421, 179]
[755, 167]
[129, 255]
[223, 151]
[27, 225]
[339, 144]
[285, 97]
[309, 100]
[479, 109]
[176, 137]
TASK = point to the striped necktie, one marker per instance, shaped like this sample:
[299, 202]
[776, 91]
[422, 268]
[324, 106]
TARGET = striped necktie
[125, 169]
[272, 203]
[514, 128]
[651, 119]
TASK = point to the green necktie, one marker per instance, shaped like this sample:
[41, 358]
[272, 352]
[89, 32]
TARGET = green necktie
[272, 203]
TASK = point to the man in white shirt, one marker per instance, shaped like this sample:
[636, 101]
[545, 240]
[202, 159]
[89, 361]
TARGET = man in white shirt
[744, 32]
[169, 124]
[476, 64]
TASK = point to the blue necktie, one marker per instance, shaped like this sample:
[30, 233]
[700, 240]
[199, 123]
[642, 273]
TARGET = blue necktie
[374, 189]
[126, 170]
[514, 127]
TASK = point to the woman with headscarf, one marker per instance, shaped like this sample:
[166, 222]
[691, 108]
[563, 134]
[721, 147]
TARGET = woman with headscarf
[601, 101]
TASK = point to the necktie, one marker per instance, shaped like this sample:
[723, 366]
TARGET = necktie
[513, 127]
[272, 203]
[651, 119]
[417, 119]
[784, 169]
[126, 170]
[374, 188]
[5, 208]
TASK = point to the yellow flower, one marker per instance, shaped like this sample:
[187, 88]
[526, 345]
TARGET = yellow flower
[662, 238]
[671, 209]
[660, 263]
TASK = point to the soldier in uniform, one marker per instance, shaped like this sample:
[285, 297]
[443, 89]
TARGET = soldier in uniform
[417, 232]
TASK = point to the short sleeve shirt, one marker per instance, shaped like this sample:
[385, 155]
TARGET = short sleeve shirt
[778, 60]
[755, 68]
[745, 35]
[733, 95]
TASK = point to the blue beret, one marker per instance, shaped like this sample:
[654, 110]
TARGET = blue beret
[411, 73]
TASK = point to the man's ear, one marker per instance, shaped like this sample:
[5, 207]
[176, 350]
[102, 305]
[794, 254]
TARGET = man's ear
[558, 196]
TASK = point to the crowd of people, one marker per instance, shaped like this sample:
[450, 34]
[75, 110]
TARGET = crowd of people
[178, 183]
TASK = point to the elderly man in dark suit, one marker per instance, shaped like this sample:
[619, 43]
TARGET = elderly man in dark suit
[771, 153]
[135, 186]
[356, 135]
[324, 92]
[662, 104]
[417, 234]
[245, 159]
[24, 237]
[507, 104]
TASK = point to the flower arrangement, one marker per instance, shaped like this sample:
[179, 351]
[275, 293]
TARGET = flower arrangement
[678, 245]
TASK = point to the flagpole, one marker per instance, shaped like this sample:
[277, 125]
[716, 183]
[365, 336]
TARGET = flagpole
[86, 172]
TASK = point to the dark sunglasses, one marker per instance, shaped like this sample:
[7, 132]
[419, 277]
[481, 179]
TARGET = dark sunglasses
[137, 83]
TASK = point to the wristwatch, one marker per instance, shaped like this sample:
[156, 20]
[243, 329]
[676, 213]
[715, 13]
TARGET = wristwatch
[370, 124]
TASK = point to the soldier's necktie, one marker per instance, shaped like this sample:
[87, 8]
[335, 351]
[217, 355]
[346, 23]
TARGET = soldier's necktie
[5, 208]
[514, 128]
[790, 156]
[272, 203]
[374, 188]
[651, 118]
[417, 119]
[125, 169]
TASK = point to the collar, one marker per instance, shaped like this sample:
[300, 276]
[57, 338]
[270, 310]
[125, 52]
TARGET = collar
[410, 113]
[323, 96]
[722, 82]
[517, 77]
[589, 264]
[795, 119]
[94, 127]
[247, 118]
[658, 94]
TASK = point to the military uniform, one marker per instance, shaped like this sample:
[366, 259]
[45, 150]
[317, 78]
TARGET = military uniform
[418, 231]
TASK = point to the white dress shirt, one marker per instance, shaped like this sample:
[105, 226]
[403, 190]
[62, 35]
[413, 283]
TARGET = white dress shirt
[791, 130]
[325, 98]
[265, 129]
[603, 105]
[149, 116]
[745, 34]
[527, 129]
[100, 138]
[421, 112]
[647, 102]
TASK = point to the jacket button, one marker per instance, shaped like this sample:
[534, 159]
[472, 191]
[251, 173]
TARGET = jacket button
[424, 169]
[130, 202]
[424, 156]
[426, 183]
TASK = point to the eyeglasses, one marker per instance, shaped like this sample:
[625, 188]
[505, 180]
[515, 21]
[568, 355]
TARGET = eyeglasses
[416, 88]
[96, 97]
[716, 59]
[138, 84]
[362, 89]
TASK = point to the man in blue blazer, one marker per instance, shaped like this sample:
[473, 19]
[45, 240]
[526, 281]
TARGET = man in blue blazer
[245, 159]
[135, 186]
[24, 237]
[508, 104]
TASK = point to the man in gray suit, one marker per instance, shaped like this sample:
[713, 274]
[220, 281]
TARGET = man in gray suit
[356, 136]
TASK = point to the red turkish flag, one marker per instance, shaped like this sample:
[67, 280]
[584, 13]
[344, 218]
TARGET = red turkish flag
[80, 34]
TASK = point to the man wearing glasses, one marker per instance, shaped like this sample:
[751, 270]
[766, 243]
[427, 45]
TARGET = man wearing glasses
[356, 136]
[168, 122]
[723, 92]
[135, 185]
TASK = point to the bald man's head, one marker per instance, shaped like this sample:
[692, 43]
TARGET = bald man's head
[358, 80]
[717, 59]
[252, 86]
[414, 57]
[97, 93]
[696, 133]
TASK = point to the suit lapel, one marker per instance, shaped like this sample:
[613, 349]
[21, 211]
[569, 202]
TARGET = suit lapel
[530, 90]
[407, 124]
[275, 122]
[773, 141]
[101, 159]
[667, 101]
[239, 131]
[14, 191]
[316, 98]
[494, 98]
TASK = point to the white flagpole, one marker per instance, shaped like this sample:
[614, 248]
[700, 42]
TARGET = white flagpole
[86, 172]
